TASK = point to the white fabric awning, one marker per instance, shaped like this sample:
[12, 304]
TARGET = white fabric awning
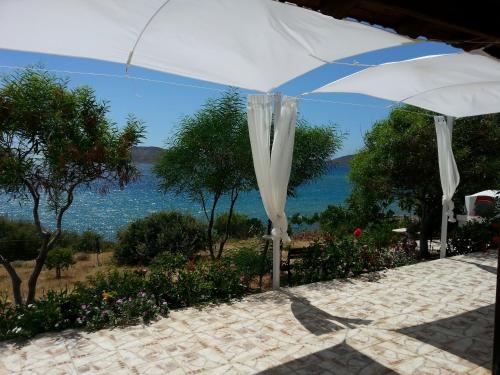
[257, 44]
[457, 85]
[471, 199]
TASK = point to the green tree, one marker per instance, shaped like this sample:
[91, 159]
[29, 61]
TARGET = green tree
[399, 163]
[314, 147]
[60, 259]
[208, 158]
[89, 242]
[54, 140]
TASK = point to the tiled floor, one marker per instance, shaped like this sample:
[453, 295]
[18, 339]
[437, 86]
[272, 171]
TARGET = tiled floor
[430, 318]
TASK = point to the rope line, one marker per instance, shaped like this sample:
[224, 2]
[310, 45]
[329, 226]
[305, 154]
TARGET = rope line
[186, 85]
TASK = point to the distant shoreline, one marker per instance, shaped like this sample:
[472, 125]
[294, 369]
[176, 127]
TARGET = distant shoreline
[151, 154]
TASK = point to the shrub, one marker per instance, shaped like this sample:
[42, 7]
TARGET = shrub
[18, 240]
[143, 239]
[339, 259]
[241, 226]
[49, 313]
[183, 283]
[60, 259]
[115, 298]
[249, 263]
[473, 236]
[88, 242]
[338, 221]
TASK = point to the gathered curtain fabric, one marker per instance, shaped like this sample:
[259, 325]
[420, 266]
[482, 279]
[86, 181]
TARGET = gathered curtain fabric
[273, 161]
[448, 170]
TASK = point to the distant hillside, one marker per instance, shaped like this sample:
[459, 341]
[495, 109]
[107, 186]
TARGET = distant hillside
[149, 155]
[146, 155]
[342, 161]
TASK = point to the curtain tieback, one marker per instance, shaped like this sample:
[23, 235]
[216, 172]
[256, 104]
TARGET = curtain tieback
[449, 207]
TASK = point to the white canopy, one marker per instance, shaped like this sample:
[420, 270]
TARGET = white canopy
[471, 199]
[257, 44]
[457, 85]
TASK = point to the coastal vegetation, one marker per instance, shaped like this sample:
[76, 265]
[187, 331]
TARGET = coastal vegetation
[210, 158]
[56, 141]
[398, 165]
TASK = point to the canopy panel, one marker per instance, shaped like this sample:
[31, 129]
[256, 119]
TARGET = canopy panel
[258, 44]
[457, 85]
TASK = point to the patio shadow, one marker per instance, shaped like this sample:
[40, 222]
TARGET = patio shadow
[484, 267]
[468, 335]
[317, 321]
[338, 359]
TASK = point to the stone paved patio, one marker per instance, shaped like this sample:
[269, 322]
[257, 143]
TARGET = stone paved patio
[430, 318]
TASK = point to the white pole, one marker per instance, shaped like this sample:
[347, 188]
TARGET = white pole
[276, 262]
[444, 231]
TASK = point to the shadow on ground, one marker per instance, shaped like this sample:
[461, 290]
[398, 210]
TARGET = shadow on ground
[468, 335]
[484, 267]
[339, 359]
[317, 321]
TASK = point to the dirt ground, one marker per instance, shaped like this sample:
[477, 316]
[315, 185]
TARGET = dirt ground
[86, 265]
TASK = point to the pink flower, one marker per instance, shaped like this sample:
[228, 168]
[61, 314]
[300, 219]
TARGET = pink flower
[358, 232]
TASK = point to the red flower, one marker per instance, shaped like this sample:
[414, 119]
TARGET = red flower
[495, 225]
[358, 232]
[496, 240]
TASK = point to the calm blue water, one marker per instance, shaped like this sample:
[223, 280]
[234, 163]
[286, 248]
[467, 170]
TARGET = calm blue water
[107, 213]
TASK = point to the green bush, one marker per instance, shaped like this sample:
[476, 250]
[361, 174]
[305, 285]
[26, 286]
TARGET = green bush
[241, 226]
[116, 298]
[473, 236]
[338, 221]
[88, 242]
[49, 313]
[348, 257]
[143, 239]
[250, 263]
[182, 283]
[59, 259]
[19, 240]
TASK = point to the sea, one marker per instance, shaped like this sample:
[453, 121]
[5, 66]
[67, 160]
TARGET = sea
[106, 214]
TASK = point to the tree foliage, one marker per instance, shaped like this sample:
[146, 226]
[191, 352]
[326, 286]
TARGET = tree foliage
[399, 163]
[53, 140]
[313, 149]
[59, 259]
[210, 157]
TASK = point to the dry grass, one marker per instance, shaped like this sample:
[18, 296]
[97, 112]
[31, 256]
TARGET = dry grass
[86, 266]
[47, 279]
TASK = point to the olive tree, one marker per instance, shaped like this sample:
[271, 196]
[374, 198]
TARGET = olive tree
[399, 164]
[209, 157]
[54, 140]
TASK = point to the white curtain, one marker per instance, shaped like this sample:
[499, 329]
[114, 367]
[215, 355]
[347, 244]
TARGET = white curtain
[272, 166]
[448, 172]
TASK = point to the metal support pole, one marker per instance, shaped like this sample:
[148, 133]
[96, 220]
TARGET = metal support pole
[276, 263]
[495, 367]
[276, 260]
[444, 232]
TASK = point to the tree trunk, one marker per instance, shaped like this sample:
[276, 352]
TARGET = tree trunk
[211, 226]
[58, 272]
[264, 252]
[228, 222]
[39, 262]
[15, 279]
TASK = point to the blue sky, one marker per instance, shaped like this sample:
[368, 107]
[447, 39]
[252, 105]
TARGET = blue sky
[161, 106]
